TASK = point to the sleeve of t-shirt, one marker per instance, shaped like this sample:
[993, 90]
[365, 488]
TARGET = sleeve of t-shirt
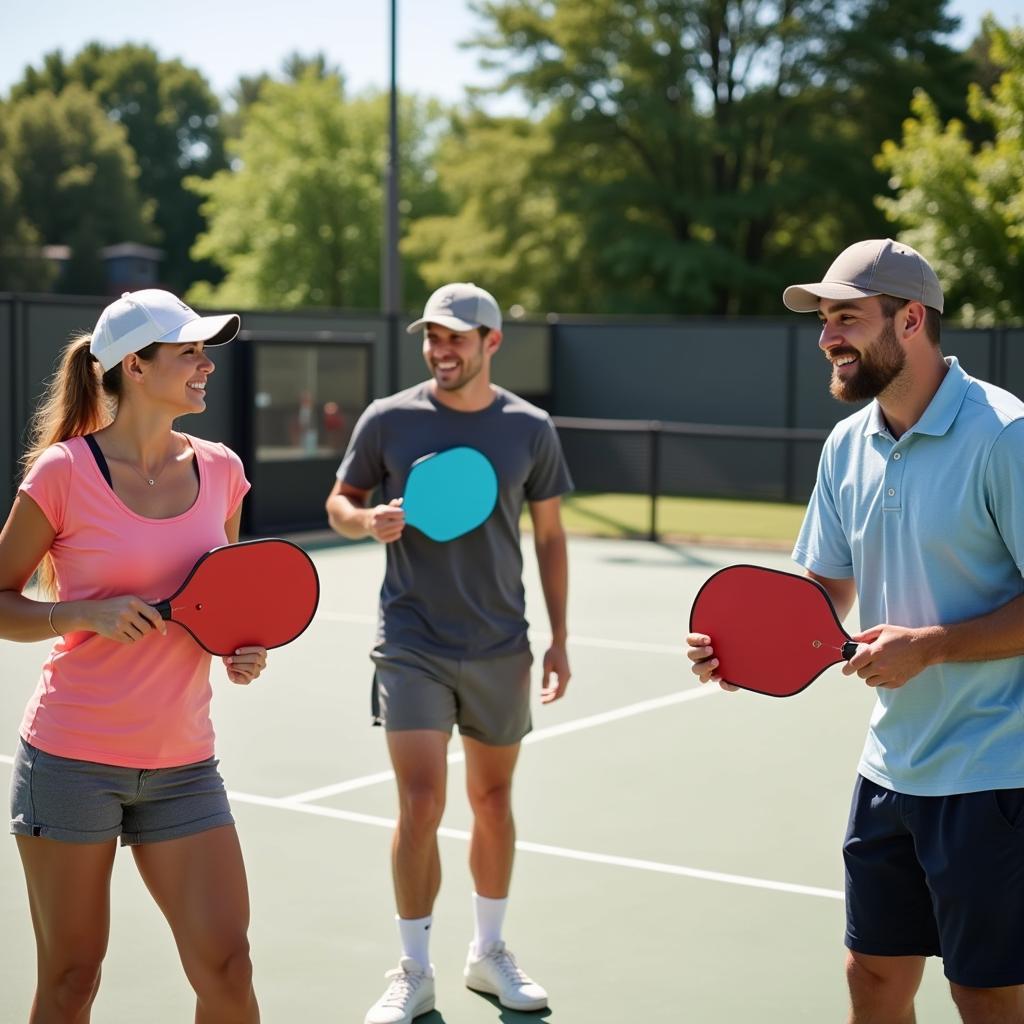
[1004, 488]
[48, 484]
[822, 546]
[362, 465]
[238, 485]
[549, 476]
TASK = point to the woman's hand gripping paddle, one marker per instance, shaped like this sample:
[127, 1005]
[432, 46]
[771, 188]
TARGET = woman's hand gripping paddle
[260, 593]
[449, 493]
[772, 632]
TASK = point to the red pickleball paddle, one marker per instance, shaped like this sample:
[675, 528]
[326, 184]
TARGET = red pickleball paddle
[259, 593]
[772, 632]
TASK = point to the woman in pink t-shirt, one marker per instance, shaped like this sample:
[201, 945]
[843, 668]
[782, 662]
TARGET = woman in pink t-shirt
[116, 741]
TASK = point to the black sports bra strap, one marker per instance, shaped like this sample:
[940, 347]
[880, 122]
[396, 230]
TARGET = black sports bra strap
[100, 459]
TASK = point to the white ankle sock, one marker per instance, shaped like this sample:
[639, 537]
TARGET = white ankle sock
[489, 915]
[415, 935]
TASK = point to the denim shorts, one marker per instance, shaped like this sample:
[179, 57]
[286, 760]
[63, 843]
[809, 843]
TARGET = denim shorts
[84, 802]
[939, 876]
[488, 698]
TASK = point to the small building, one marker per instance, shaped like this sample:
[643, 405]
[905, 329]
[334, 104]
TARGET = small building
[129, 266]
[58, 256]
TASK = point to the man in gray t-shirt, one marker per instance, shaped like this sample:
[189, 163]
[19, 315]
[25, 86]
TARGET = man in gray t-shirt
[452, 642]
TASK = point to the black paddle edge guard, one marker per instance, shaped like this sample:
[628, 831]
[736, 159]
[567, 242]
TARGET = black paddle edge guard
[850, 644]
[164, 607]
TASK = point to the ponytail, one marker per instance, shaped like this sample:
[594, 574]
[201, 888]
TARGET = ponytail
[72, 405]
[78, 400]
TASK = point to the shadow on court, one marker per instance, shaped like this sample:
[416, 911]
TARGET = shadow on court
[507, 1016]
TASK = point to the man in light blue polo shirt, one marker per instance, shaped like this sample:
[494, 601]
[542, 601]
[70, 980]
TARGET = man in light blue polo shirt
[913, 515]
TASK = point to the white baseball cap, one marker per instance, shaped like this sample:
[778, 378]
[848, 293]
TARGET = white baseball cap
[459, 307]
[137, 319]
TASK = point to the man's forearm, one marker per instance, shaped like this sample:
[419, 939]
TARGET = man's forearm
[999, 634]
[553, 565]
[347, 518]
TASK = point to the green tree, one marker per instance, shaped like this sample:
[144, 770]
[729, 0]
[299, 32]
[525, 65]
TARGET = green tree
[77, 179]
[173, 123]
[962, 204]
[297, 66]
[506, 225]
[299, 222]
[248, 88]
[22, 267]
[708, 150]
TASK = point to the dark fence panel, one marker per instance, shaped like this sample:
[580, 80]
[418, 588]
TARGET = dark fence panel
[693, 371]
[689, 459]
[1012, 350]
[689, 375]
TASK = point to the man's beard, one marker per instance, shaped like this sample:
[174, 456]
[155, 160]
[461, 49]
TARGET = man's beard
[875, 370]
[470, 370]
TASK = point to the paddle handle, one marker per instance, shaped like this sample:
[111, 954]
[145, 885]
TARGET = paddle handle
[849, 649]
[164, 609]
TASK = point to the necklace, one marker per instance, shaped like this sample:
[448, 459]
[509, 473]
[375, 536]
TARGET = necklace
[151, 480]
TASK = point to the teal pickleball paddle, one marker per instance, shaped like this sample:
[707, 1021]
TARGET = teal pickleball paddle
[449, 493]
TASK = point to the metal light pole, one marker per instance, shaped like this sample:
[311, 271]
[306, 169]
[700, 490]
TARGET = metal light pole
[391, 271]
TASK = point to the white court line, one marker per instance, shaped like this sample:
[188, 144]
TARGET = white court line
[554, 851]
[549, 851]
[457, 757]
[574, 641]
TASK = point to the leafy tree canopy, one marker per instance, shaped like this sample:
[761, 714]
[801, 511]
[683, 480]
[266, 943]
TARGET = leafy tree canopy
[76, 178]
[22, 267]
[298, 222]
[960, 203]
[701, 153]
[173, 124]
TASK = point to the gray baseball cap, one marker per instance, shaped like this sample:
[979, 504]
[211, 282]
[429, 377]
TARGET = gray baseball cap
[877, 266]
[459, 307]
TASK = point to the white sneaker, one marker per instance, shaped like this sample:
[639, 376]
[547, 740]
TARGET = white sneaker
[496, 972]
[409, 994]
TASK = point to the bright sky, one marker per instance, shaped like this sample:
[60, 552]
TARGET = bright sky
[229, 38]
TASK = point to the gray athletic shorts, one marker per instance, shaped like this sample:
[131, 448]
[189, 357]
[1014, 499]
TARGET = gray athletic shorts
[83, 802]
[489, 698]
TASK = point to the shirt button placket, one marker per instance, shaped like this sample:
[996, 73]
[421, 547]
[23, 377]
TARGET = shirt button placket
[894, 481]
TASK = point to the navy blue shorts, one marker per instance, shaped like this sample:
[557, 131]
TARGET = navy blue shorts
[938, 876]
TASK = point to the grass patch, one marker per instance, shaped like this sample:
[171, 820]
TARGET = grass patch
[711, 519]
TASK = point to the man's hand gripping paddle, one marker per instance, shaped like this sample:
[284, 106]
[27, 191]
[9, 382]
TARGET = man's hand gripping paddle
[772, 632]
[260, 593]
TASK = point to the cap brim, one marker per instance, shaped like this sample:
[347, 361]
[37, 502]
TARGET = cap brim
[453, 323]
[211, 330]
[804, 298]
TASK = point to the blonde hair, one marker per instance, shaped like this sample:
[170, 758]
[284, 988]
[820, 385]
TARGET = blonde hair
[78, 400]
